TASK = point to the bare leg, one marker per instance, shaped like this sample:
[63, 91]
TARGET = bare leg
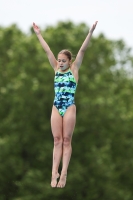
[69, 120]
[56, 126]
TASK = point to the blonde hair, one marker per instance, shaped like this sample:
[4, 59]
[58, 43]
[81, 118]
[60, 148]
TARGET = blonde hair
[67, 53]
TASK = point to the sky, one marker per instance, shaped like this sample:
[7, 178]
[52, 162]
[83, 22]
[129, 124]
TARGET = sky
[115, 17]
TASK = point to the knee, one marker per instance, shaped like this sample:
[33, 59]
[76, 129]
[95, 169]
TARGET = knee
[57, 141]
[66, 141]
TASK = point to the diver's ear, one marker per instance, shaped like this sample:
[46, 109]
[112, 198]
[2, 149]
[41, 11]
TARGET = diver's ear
[70, 62]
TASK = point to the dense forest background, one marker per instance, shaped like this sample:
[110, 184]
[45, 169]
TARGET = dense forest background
[102, 161]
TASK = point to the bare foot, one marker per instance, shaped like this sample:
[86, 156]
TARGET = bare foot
[54, 179]
[62, 181]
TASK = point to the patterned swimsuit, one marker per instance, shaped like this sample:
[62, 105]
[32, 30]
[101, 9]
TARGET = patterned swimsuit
[65, 88]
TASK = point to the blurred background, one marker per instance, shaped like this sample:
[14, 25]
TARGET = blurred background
[102, 162]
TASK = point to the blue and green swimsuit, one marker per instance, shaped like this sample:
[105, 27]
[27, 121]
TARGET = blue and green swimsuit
[65, 88]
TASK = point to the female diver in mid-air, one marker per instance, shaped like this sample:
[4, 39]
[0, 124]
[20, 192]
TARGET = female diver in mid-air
[63, 116]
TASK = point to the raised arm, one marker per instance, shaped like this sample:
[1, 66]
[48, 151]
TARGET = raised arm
[80, 55]
[45, 46]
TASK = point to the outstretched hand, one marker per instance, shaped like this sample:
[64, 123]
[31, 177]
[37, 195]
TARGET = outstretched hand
[93, 27]
[36, 28]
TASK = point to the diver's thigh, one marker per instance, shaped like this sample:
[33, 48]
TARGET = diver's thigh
[56, 122]
[69, 121]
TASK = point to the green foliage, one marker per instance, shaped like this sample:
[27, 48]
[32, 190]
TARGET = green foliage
[101, 164]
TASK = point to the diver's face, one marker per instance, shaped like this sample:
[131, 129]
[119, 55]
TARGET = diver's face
[63, 62]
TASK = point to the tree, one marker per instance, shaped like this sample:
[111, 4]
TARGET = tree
[101, 162]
